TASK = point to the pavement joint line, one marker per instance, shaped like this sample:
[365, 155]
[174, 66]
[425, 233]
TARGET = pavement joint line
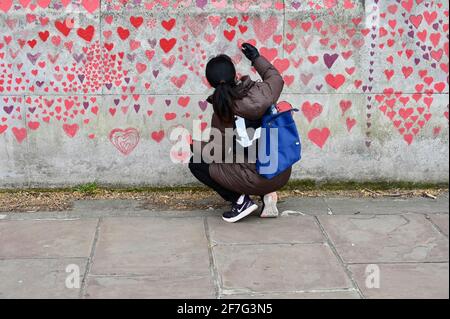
[148, 275]
[271, 244]
[236, 292]
[341, 261]
[419, 213]
[212, 263]
[7, 258]
[90, 259]
[78, 217]
[47, 219]
[397, 262]
[435, 226]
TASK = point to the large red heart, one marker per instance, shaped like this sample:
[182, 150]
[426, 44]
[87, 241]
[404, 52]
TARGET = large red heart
[335, 81]
[311, 111]
[167, 44]
[319, 136]
[71, 129]
[87, 33]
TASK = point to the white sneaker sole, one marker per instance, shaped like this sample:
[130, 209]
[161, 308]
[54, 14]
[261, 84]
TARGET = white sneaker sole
[270, 207]
[244, 214]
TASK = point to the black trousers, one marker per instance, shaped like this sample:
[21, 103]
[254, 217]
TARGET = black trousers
[201, 172]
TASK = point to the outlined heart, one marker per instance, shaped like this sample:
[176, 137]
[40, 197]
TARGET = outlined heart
[125, 140]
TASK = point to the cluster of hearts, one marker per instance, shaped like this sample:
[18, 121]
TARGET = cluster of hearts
[92, 6]
[318, 64]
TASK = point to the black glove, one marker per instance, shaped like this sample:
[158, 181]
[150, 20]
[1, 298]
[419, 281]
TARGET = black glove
[250, 51]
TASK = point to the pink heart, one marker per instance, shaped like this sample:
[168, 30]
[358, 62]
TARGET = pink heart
[265, 29]
[43, 3]
[90, 5]
[5, 5]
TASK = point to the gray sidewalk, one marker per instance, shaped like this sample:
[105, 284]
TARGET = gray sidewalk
[319, 248]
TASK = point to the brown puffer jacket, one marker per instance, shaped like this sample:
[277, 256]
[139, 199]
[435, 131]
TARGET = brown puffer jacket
[243, 177]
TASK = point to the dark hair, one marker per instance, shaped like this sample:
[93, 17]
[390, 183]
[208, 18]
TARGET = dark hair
[221, 74]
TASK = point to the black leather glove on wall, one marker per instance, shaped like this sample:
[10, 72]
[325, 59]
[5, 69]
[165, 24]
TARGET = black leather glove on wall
[250, 51]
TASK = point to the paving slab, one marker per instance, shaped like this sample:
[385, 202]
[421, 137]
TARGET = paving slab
[46, 238]
[348, 294]
[346, 206]
[149, 288]
[76, 214]
[309, 206]
[441, 221]
[383, 238]
[157, 247]
[415, 280]
[255, 230]
[278, 268]
[38, 278]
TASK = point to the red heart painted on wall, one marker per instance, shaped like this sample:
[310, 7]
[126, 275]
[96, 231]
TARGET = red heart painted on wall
[125, 140]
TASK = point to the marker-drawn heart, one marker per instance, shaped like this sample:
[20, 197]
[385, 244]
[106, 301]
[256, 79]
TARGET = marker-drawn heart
[62, 27]
[229, 34]
[25, 3]
[335, 81]
[43, 3]
[167, 44]
[319, 136]
[19, 133]
[197, 25]
[281, 64]
[203, 105]
[214, 20]
[345, 105]
[157, 136]
[3, 128]
[179, 81]
[350, 123]
[5, 5]
[87, 33]
[265, 29]
[123, 33]
[306, 78]
[90, 5]
[136, 21]
[269, 53]
[329, 59]
[311, 111]
[71, 129]
[125, 140]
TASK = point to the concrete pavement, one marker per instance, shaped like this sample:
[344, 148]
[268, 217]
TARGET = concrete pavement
[319, 248]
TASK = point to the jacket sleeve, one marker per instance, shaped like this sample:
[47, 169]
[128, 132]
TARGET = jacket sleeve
[262, 94]
[273, 83]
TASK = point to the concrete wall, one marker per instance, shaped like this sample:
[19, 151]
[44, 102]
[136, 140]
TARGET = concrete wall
[90, 89]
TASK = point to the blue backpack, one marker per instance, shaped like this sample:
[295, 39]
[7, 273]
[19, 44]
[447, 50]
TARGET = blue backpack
[271, 160]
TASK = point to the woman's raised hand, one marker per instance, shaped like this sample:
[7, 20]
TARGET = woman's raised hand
[250, 51]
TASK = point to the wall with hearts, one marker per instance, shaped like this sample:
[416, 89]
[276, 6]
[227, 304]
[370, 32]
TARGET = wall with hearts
[90, 89]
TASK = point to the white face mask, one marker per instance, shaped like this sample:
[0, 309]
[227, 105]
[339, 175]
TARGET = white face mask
[244, 140]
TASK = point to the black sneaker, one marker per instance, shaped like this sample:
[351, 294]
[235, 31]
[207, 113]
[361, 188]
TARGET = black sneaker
[239, 211]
